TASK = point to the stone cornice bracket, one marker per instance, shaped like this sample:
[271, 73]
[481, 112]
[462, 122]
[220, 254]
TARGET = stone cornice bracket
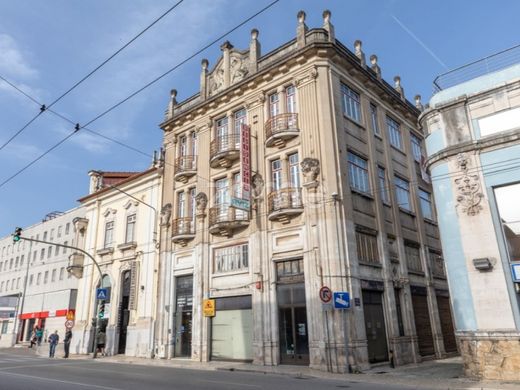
[204, 79]
[307, 77]
[359, 52]
[328, 26]
[254, 51]
[468, 188]
[398, 87]
[80, 225]
[310, 170]
[375, 67]
[301, 30]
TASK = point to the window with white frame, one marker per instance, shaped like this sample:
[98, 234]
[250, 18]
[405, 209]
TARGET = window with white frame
[425, 200]
[294, 170]
[38, 278]
[130, 228]
[222, 191]
[358, 173]
[290, 99]
[416, 147]
[53, 275]
[42, 254]
[373, 119]
[56, 250]
[276, 175]
[394, 133]
[194, 143]
[46, 277]
[402, 193]
[67, 228]
[44, 236]
[62, 273]
[109, 234]
[231, 259]
[59, 231]
[383, 187]
[274, 105]
[350, 103]
[52, 235]
[183, 146]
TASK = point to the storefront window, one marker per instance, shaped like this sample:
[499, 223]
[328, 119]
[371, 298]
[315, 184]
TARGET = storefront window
[509, 213]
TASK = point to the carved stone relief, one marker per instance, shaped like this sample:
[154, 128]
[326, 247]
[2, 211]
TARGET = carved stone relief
[258, 185]
[202, 201]
[166, 212]
[468, 188]
[239, 68]
[310, 169]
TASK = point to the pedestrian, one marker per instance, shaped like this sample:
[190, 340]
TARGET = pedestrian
[39, 335]
[33, 339]
[66, 342]
[53, 342]
[101, 342]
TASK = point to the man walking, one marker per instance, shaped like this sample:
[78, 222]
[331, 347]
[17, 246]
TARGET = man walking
[53, 341]
[66, 342]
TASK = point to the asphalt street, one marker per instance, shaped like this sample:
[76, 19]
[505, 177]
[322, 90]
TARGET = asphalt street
[22, 370]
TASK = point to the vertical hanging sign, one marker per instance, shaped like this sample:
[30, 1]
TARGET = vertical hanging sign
[244, 202]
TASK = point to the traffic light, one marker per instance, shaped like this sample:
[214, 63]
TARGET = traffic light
[17, 234]
[101, 311]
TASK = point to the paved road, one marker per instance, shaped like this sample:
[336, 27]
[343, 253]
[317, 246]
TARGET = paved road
[21, 370]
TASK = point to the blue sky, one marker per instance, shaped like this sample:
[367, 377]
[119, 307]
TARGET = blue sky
[46, 46]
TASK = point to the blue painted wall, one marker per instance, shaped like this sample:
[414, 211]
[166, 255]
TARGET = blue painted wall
[453, 252]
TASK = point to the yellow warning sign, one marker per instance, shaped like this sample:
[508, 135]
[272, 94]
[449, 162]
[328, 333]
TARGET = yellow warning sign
[208, 308]
[70, 315]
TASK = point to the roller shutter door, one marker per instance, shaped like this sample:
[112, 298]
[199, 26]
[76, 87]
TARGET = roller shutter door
[448, 334]
[422, 322]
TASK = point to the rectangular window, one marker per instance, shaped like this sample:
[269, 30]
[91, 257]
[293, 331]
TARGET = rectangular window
[45, 236]
[425, 200]
[42, 254]
[367, 247]
[221, 191]
[65, 249]
[56, 250]
[222, 127]
[59, 231]
[290, 99]
[437, 263]
[53, 275]
[402, 193]
[183, 146]
[373, 119]
[274, 105]
[31, 279]
[239, 119]
[130, 228]
[109, 234]
[35, 253]
[400, 323]
[192, 209]
[181, 204]
[231, 259]
[2, 287]
[21, 260]
[16, 262]
[49, 252]
[18, 283]
[46, 277]
[290, 271]
[358, 173]
[394, 133]
[383, 188]
[507, 203]
[294, 170]
[413, 257]
[67, 228]
[350, 101]
[52, 235]
[276, 174]
[194, 146]
[62, 272]
[416, 147]
[38, 278]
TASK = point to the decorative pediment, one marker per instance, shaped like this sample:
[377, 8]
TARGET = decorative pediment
[108, 212]
[130, 203]
[232, 67]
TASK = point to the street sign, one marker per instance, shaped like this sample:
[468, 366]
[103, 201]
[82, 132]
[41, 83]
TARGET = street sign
[325, 294]
[208, 308]
[242, 204]
[515, 270]
[341, 300]
[69, 324]
[101, 293]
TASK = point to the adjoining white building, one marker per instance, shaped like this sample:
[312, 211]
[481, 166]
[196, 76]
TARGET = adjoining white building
[50, 293]
[473, 143]
[120, 230]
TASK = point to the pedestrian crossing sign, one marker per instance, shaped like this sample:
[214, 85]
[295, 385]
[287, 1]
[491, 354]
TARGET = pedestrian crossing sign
[101, 293]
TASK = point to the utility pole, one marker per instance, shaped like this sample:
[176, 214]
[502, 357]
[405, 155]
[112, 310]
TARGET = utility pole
[17, 236]
[21, 306]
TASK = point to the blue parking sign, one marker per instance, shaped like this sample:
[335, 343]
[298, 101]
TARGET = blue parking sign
[101, 293]
[515, 270]
[341, 300]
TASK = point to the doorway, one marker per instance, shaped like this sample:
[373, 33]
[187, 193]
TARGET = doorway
[183, 315]
[124, 312]
[292, 313]
[375, 326]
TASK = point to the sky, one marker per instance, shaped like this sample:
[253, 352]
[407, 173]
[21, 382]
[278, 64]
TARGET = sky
[47, 46]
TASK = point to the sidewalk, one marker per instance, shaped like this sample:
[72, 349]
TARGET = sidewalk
[436, 374]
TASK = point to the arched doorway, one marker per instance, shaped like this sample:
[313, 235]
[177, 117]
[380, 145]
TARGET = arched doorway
[124, 312]
[103, 322]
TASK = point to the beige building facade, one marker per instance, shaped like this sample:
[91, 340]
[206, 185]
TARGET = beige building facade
[120, 230]
[338, 200]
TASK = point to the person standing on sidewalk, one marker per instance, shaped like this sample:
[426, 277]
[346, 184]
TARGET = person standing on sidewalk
[39, 336]
[66, 342]
[53, 342]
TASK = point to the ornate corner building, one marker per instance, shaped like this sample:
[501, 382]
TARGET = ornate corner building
[339, 198]
[473, 137]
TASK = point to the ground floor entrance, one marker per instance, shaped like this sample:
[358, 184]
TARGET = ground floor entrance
[183, 315]
[423, 326]
[375, 326]
[448, 333]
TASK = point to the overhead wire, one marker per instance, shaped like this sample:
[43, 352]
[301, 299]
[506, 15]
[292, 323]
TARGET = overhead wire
[44, 107]
[79, 127]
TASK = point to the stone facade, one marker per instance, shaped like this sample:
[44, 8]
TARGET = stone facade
[120, 230]
[329, 137]
[472, 141]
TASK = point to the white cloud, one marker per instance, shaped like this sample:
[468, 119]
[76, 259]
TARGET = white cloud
[13, 61]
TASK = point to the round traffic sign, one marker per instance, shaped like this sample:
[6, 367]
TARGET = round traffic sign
[325, 294]
[69, 324]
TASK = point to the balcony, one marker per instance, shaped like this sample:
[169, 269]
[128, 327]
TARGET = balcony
[284, 204]
[224, 150]
[224, 219]
[280, 128]
[185, 167]
[183, 230]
